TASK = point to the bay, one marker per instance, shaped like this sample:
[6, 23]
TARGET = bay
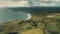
[7, 14]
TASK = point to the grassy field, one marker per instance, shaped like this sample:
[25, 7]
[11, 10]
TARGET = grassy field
[33, 31]
[50, 23]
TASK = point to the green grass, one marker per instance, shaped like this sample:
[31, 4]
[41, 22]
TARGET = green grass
[53, 25]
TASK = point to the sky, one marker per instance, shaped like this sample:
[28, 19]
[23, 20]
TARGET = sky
[28, 3]
[9, 3]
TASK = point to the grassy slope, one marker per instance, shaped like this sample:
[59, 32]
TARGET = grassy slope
[26, 28]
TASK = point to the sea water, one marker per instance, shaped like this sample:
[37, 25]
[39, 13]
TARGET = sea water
[8, 14]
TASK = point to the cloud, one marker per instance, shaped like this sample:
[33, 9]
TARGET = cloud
[9, 0]
[25, 3]
[6, 3]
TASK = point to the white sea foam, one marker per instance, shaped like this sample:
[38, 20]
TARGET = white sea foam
[29, 16]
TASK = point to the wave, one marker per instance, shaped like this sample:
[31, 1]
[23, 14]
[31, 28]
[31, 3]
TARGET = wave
[29, 16]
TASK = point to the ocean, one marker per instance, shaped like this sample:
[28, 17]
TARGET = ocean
[7, 14]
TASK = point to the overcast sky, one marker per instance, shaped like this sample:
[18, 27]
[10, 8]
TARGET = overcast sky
[12, 3]
[23, 3]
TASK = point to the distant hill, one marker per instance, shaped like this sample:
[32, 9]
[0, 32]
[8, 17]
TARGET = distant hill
[36, 9]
